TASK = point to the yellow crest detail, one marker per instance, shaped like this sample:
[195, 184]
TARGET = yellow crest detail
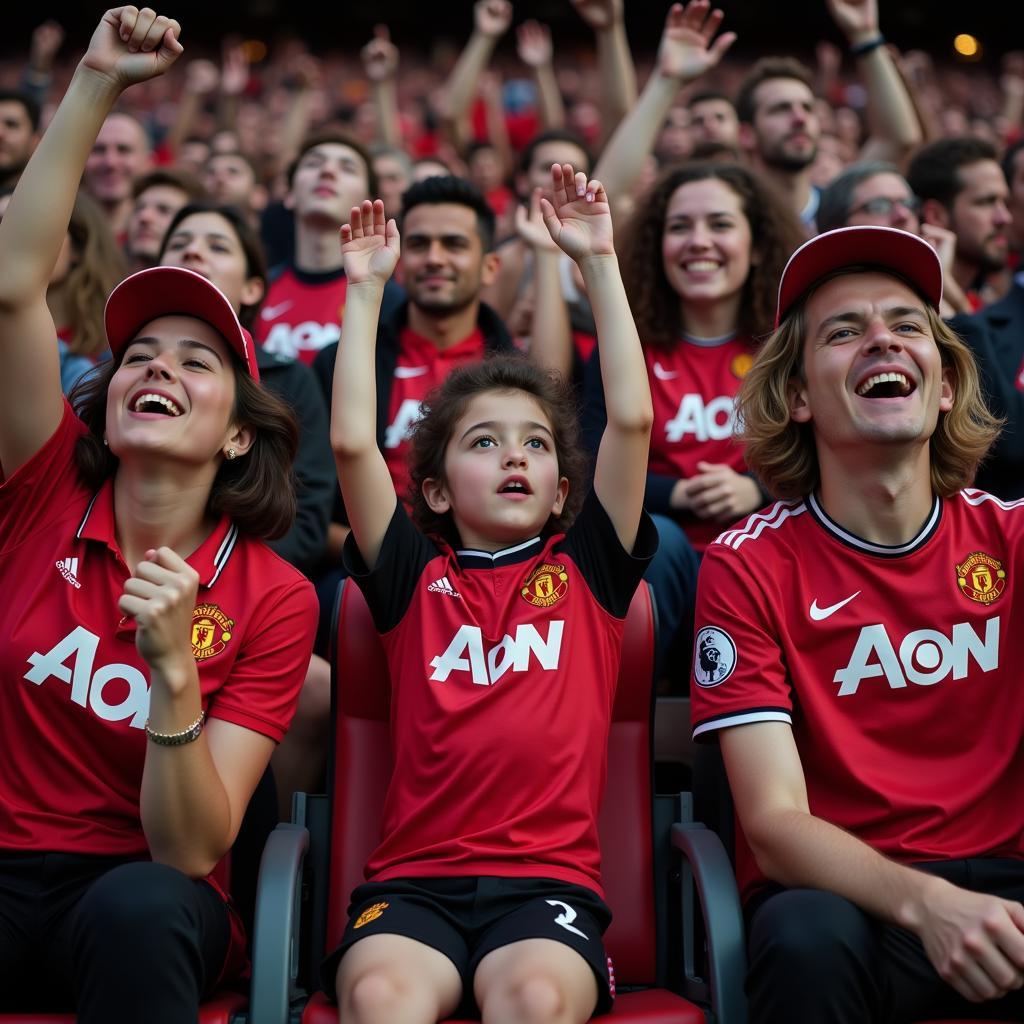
[370, 914]
[211, 631]
[546, 585]
[981, 577]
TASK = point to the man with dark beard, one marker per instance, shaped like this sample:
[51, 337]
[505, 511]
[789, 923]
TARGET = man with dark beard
[19, 133]
[779, 129]
[962, 188]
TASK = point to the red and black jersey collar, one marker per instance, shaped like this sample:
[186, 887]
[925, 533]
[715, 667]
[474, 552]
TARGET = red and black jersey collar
[471, 558]
[209, 559]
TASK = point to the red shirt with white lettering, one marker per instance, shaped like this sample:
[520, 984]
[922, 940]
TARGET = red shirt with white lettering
[693, 390]
[421, 367]
[897, 667]
[76, 691]
[302, 313]
[503, 672]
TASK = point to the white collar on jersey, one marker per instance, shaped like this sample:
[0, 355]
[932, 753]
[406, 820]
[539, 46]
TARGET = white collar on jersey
[516, 553]
[929, 527]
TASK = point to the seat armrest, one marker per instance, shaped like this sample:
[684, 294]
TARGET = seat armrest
[706, 866]
[275, 941]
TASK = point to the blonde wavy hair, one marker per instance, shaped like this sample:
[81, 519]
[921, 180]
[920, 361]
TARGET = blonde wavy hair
[783, 453]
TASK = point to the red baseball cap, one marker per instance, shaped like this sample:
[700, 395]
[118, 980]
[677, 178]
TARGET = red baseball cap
[887, 249]
[174, 291]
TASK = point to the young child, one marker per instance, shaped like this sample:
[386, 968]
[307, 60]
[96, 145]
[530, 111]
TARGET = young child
[502, 622]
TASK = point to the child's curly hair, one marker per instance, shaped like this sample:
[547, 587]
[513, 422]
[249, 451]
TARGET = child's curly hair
[443, 407]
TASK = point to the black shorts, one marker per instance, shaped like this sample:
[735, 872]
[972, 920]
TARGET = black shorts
[467, 918]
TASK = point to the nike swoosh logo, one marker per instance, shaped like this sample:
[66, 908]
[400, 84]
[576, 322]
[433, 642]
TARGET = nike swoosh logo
[820, 614]
[662, 374]
[273, 312]
[405, 372]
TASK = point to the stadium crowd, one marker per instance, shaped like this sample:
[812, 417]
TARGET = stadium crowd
[497, 334]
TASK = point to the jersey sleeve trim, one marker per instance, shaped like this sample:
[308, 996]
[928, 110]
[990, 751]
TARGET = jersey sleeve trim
[729, 719]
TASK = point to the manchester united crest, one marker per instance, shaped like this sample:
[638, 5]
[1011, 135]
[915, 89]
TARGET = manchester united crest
[370, 914]
[546, 586]
[211, 631]
[982, 578]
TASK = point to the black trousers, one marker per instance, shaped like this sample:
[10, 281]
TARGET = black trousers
[114, 941]
[816, 958]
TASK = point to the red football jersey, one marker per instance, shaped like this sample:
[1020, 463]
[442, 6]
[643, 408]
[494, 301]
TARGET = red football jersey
[76, 691]
[302, 313]
[503, 672]
[898, 668]
[693, 389]
[421, 367]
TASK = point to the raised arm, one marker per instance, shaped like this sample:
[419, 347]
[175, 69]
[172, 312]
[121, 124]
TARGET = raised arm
[370, 246]
[380, 64]
[894, 124]
[975, 941]
[127, 47]
[687, 50]
[615, 62]
[535, 50]
[491, 20]
[580, 222]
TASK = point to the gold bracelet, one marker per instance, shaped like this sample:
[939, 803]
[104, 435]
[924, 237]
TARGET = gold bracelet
[177, 739]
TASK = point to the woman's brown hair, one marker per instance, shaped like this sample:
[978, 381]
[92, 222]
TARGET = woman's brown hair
[256, 491]
[774, 230]
[783, 453]
[443, 407]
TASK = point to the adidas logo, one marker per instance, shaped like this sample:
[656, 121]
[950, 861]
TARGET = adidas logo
[443, 586]
[68, 568]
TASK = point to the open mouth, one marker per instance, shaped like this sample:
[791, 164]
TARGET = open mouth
[701, 266]
[150, 402]
[886, 385]
[514, 486]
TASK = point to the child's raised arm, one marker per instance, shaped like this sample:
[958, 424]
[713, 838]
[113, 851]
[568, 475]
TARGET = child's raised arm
[370, 246]
[128, 46]
[580, 222]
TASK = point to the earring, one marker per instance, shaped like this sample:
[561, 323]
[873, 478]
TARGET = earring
[106, 443]
[231, 453]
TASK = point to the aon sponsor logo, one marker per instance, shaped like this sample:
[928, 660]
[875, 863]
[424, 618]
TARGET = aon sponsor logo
[924, 657]
[712, 422]
[114, 692]
[466, 653]
[290, 340]
[408, 413]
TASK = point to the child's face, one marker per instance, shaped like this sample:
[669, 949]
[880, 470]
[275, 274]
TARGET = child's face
[502, 481]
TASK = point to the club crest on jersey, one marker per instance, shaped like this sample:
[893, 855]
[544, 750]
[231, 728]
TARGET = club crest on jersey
[211, 631]
[370, 914]
[546, 586]
[741, 364]
[982, 578]
[714, 657]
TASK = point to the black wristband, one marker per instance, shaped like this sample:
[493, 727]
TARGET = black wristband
[867, 46]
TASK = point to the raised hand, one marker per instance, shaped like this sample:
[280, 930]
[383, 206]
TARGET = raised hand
[579, 219]
[531, 227]
[46, 41]
[201, 77]
[688, 47]
[132, 45]
[600, 15]
[160, 596]
[234, 76]
[380, 56]
[533, 44]
[857, 19]
[370, 245]
[492, 17]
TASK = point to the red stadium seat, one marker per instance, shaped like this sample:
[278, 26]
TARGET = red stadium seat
[362, 766]
[221, 1009]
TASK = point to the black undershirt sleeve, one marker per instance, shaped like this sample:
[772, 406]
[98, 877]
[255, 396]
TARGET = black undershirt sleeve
[389, 586]
[611, 572]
